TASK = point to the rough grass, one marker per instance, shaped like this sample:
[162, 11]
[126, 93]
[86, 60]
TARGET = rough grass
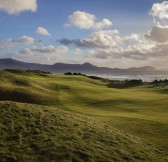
[37, 133]
[141, 110]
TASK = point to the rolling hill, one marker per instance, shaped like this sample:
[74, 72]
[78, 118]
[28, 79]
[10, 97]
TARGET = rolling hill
[49, 117]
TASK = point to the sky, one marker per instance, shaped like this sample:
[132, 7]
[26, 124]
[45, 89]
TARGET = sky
[110, 33]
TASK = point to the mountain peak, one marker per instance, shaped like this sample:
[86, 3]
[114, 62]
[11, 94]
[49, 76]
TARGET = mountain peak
[87, 64]
[8, 59]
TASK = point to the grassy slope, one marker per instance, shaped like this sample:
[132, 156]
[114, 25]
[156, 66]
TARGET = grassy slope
[38, 133]
[141, 111]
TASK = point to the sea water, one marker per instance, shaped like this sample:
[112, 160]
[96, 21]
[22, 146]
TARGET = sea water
[144, 76]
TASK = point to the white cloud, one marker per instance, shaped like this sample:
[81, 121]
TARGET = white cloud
[50, 49]
[85, 20]
[158, 34]
[17, 6]
[104, 39]
[133, 38]
[160, 10]
[145, 50]
[42, 31]
[46, 54]
[110, 44]
[101, 39]
[82, 20]
[6, 44]
[139, 51]
[105, 23]
[25, 39]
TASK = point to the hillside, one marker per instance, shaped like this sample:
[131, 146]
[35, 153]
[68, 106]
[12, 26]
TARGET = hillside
[48, 117]
[38, 133]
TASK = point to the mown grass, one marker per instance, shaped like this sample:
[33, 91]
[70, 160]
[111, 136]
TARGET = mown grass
[141, 110]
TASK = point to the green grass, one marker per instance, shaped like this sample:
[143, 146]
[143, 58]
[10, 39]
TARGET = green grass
[107, 113]
[37, 133]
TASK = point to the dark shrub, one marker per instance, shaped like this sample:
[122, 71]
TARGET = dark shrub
[68, 73]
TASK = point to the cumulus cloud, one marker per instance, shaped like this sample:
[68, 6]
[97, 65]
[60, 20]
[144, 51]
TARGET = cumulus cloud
[144, 50]
[139, 51]
[132, 38]
[160, 10]
[110, 44]
[14, 42]
[158, 34]
[17, 6]
[103, 39]
[42, 31]
[85, 20]
[24, 39]
[100, 39]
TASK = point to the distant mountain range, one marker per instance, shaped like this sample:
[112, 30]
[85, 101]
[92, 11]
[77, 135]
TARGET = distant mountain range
[9, 63]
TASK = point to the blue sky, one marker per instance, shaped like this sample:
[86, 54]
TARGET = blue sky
[126, 38]
[53, 14]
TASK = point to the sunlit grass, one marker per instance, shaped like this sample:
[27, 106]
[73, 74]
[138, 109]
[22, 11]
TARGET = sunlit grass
[141, 111]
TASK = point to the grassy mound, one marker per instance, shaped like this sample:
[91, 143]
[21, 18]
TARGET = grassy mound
[138, 110]
[36, 133]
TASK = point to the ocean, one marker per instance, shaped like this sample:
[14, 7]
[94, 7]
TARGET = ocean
[122, 75]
